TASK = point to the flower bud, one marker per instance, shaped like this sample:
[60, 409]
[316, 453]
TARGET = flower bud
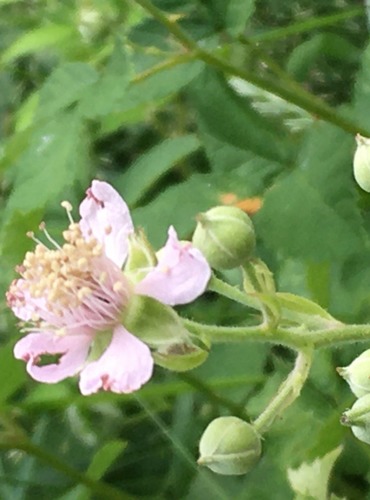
[357, 374]
[225, 236]
[361, 163]
[229, 446]
[180, 357]
[358, 418]
[141, 256]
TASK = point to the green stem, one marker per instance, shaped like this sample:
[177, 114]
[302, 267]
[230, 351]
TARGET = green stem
[301, 98]
[288, 392]
[304, 26]
[338, 335]
[102, 490]
[294, 338]
[231, 292]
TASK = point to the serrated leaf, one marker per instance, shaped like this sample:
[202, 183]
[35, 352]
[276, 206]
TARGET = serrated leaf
[152, 165]
[305, 212]
[50, 164]
[311, 479]
[102, 97]
[231, 119]
[66, 85]
[160, 85]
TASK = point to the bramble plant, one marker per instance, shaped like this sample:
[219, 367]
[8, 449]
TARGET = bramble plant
[194, 321]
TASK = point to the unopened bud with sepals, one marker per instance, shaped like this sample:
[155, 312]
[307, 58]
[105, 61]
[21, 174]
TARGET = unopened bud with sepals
[358, 418]
[225, 236]
[361, 163]
[357, 374]
[229, 446]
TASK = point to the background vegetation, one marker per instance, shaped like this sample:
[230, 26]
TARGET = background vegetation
[182, 106]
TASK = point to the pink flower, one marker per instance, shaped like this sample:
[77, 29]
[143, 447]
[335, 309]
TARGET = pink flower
[72, 297]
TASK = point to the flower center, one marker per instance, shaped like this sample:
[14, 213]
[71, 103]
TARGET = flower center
[73, 285]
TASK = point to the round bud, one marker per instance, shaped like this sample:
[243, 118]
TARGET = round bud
[361, 163]
[358, 418]
[357, 374]
[225, 236]
[229, 446]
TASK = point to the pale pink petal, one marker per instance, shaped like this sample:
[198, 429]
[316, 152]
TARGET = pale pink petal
[73, 350]
[123, 368]
[21, 302]
[181, 275]
[106, 216]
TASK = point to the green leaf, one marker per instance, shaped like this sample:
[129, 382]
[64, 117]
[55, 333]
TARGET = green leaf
[304, 311]
[66, 85]
[237, 14]
[36, 40]
[102, 97]
[149, 91]
[104, 458]
[52, 162]
[12, 372]
[231, 119]
[56, 158]
[311, 480]
[311, 213]
[322, 45]
[140, 177]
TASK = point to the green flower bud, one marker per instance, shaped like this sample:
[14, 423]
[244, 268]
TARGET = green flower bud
[361, 163]
[141, 256]
[180, 357]
[225, 236]
[357, 374]
[358, 418]
[229, 446]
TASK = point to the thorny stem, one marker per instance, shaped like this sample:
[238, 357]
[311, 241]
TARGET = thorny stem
[296, 95]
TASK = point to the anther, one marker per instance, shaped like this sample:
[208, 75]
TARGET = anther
[118, 285]
[68, 208]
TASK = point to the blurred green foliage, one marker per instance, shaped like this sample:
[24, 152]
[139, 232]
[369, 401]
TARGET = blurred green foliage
[102, 89]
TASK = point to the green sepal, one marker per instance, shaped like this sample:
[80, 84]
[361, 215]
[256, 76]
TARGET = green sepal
[180, 357]
[358, 418]
[141, 256]
[299, 310]
[154, 323]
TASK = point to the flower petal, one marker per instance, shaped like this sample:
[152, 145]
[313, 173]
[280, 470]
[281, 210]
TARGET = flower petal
[72, 350]
[21, 303]
[106, 216]
[181, 275]
[123, 368]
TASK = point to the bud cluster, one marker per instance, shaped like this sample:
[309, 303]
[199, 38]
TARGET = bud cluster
[357, 375]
